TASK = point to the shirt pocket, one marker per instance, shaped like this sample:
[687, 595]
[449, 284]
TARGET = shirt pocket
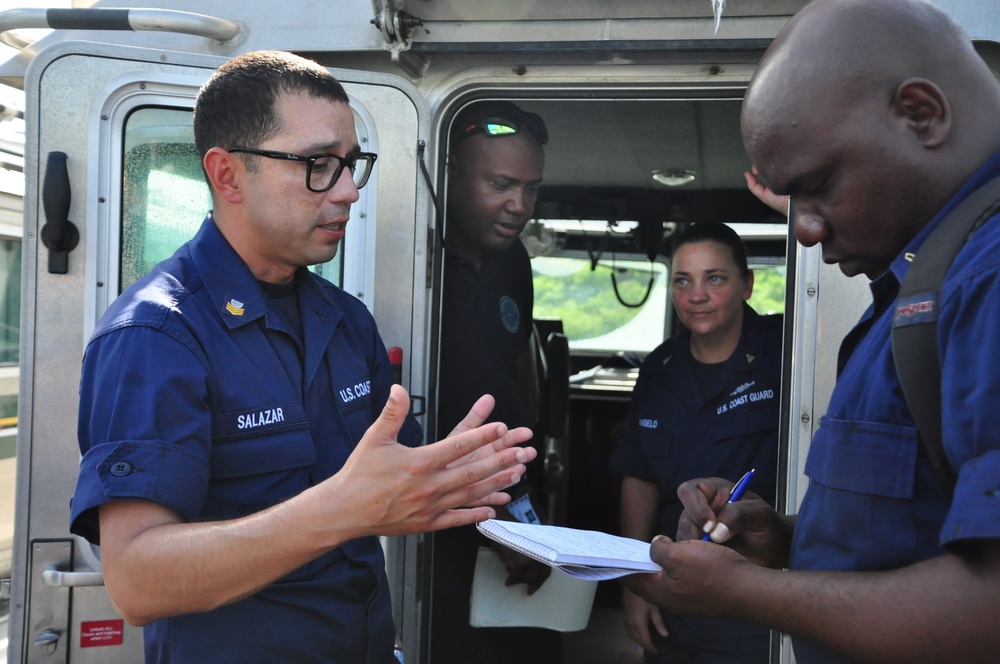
[260, 440]
[355, 401]
[864, 457]
[641, 458]
[252, 474]
[744, 422]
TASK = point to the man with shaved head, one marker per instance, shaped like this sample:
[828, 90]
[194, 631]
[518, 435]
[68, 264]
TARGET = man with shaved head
[876, 118]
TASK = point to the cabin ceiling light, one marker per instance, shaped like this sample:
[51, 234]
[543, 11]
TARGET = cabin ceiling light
[673, 177]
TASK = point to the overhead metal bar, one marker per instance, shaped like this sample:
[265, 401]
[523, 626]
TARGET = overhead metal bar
[136, 20]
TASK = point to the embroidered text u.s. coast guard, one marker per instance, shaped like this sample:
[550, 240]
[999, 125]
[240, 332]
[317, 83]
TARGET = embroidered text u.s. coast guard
[355, 391]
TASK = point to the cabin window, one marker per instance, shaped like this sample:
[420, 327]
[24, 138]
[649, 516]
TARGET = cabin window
[599, 314]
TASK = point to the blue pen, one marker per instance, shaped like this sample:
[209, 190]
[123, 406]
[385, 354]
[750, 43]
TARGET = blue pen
[735, 494]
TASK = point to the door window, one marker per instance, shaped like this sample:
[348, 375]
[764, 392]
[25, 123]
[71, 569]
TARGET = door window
[10, 303]
[599, 313]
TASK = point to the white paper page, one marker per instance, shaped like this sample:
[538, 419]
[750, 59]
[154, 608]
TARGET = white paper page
[588, 543]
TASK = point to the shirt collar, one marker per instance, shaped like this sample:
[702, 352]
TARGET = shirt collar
[749, 349]
[234, 290]
[985, 173]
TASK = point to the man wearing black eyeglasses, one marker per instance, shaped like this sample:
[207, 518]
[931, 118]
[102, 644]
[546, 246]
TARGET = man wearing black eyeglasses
[239, 427]
[495, 164]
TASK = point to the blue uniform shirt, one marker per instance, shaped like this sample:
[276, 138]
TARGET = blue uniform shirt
[196, 396]
[873, 502]
[674, 433]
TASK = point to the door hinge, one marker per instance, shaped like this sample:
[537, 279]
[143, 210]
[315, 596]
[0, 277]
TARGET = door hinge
[396, 26]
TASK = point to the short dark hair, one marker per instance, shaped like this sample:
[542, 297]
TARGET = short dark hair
[714, 231]
[236, 106]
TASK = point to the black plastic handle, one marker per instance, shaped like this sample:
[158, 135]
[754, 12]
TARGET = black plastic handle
[58, 234]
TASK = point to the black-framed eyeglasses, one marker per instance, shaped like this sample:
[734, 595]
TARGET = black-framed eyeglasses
[323, 170]
[507, 122]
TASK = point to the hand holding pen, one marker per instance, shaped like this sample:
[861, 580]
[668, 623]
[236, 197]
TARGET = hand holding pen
[738, 490]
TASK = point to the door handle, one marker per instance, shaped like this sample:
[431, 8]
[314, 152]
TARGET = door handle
[57, 578]
[48, 640]
[553, 464]
[59, 234]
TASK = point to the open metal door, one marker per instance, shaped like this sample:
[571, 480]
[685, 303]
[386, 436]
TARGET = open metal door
[113, 185]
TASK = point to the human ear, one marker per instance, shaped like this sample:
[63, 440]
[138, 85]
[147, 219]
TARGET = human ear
[924, 108]
[748, 286]
[225, 171]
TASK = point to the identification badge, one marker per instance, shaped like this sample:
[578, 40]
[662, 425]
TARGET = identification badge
[522, 510]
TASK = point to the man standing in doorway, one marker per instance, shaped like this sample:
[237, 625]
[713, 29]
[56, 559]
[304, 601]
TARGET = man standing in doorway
[495, 166]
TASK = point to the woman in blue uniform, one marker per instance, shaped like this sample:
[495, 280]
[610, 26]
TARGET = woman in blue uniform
[705, 404]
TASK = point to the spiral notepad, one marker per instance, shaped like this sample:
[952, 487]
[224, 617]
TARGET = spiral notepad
[586, 554]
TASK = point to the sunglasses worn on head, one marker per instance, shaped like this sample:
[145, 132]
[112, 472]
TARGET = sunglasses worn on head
[507, 123]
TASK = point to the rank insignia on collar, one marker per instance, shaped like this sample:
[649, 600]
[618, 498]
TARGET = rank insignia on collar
[235, 307]
[667, 359]
[751, 358]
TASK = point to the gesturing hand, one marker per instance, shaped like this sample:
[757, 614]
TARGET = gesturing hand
[399, 490]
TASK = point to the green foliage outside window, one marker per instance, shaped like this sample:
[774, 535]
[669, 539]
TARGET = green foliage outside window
[768, 289]
[585, 301]
[592, 315]
[593, 318]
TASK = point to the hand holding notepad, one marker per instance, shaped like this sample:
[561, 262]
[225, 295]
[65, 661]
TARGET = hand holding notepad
[562, 604]
[586, 554]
